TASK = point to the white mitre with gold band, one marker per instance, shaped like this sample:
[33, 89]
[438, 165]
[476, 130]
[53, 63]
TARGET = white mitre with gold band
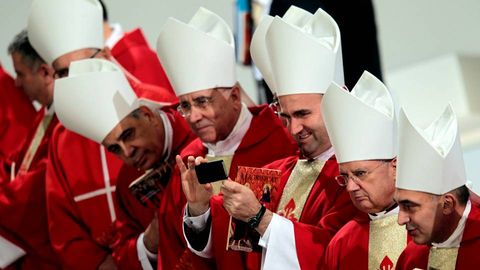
[430, 159]
[361, 124]
[305, 52]
[94, 98]
[198, 55]
[58, 27]
[258, 51]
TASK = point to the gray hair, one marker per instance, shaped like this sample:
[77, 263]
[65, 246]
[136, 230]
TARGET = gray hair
[22, 46]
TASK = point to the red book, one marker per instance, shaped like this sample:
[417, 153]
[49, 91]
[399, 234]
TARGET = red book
[263, 182]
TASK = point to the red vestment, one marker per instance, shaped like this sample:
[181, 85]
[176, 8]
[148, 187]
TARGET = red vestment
[17, 116]
[135, 55]
[327, 209]
[133, 218]
[349, 247]
[416, 256]
[259, 146]
[81, 182]
[22, 204]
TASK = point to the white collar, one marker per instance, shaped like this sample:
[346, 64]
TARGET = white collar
[326, 155]
[228, 146]
[454, 240]
[115, 36]
[167, 145]
[384, 214]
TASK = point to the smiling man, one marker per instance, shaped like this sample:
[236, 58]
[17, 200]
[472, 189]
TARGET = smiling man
[367, 164]
[435, 205]
[309, 207]
[199, 58]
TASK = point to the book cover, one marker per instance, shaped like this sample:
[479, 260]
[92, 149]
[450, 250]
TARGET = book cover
[148, 186]
[263, 182]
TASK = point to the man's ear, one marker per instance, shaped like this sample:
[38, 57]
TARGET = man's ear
[394, 166]
[236, 96]
[46, 72]
[449, 203]
[147, 112]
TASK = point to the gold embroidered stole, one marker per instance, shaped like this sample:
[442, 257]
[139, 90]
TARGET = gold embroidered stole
[37, 138]
[442, 258]
[386, 242]
[227, 160]
[298, 187]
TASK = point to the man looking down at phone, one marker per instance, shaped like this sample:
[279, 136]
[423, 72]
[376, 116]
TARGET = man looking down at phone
[97, 102]
[310, 206]
[199, 59]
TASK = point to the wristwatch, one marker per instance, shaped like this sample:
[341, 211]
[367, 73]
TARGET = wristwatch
[255, 220]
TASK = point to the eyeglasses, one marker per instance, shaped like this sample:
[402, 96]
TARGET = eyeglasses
[63, 72]
[358, 175]
[201, 103]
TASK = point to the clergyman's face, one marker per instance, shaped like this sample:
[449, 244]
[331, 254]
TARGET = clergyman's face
[303, 117]
[137, 140]
[421, 213]
[31, 80]
[371, 183]
[212, 113]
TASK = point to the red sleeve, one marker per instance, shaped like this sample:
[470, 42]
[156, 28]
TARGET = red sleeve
[69, 236]
[311, 240]
[134, 54]
[24, 200]
[414, 256]
[17, 115]
[326, 211]
[132, 220]
[330, 260]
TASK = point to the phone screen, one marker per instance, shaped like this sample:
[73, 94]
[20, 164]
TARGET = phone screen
[211, 172]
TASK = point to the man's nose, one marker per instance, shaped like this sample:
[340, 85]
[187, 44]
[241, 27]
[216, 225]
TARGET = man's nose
[403, 217]
[295, 126]
[195, 114]
[352, 185]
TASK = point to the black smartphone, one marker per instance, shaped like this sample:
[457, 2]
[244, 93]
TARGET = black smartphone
[211, 172]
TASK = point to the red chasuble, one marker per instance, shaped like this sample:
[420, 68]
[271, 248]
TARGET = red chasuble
[134, 54]
[133, 218]
[326, 210]
[16, 116]
[22, 203]
[260, 145]
[416, 256]
[349, 248]
[81, 204]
